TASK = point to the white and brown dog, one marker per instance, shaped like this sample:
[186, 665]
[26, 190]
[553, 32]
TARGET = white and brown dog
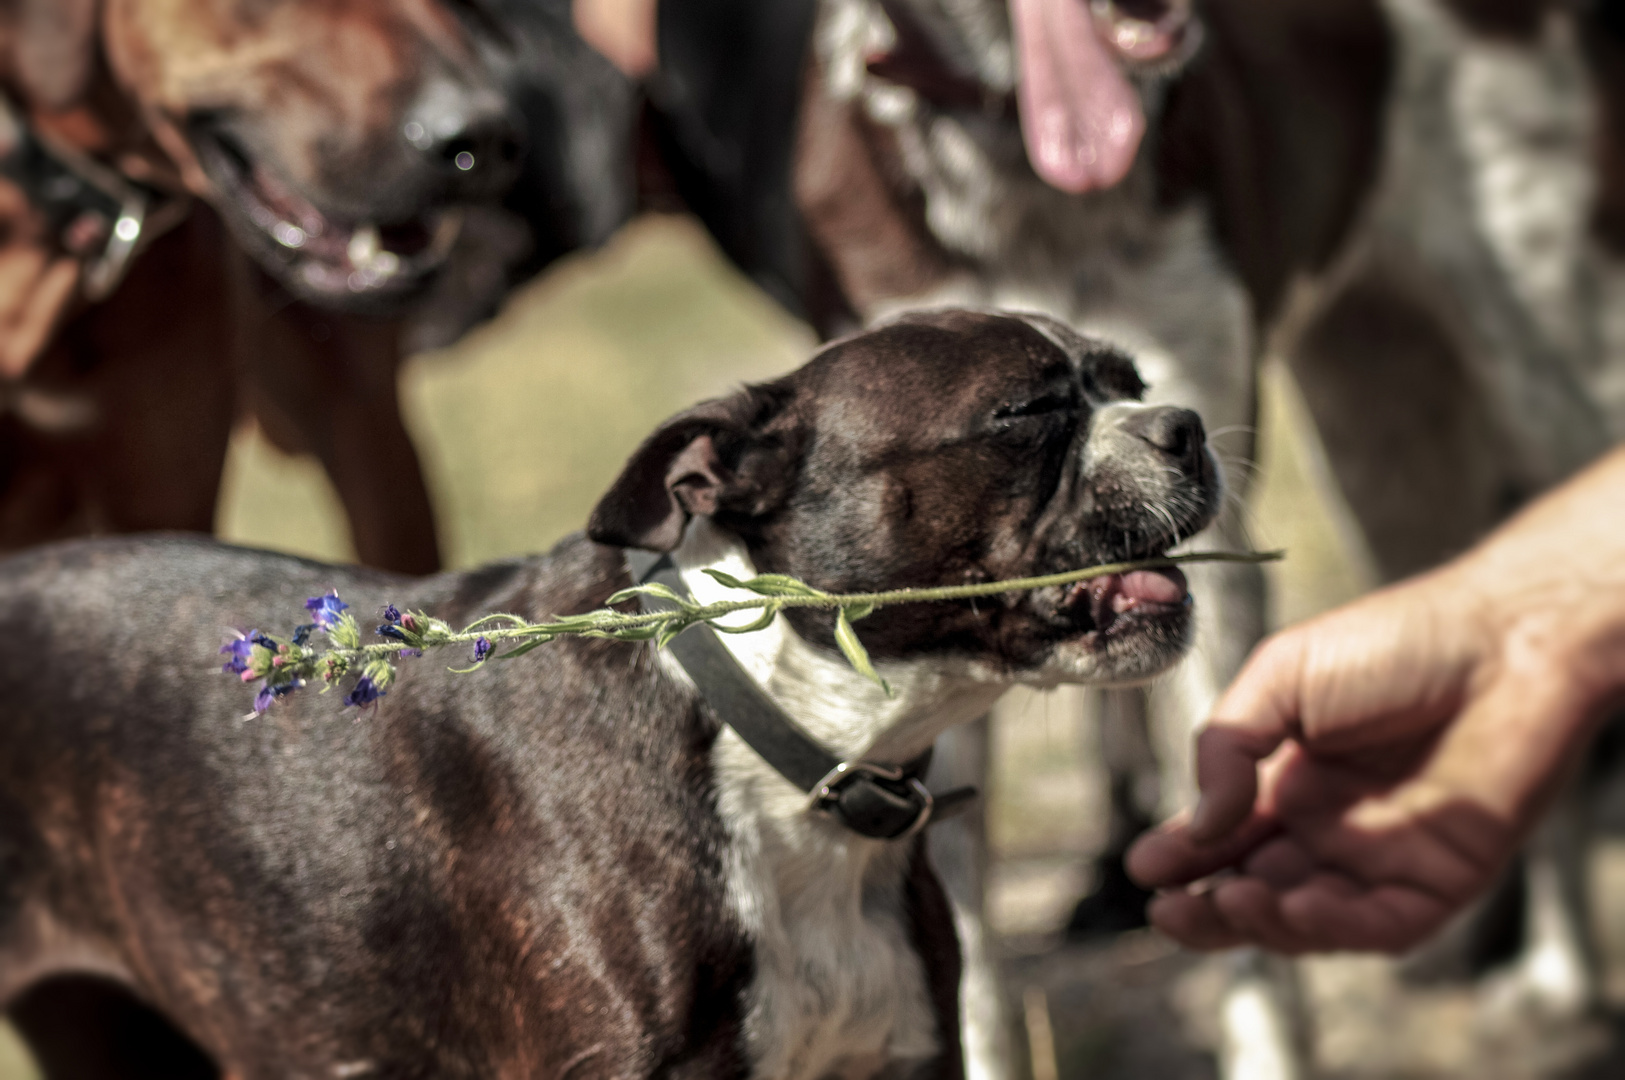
[1389, 194]
[583, 864]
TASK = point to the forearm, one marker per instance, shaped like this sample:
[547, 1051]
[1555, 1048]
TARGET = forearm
[1549, 587]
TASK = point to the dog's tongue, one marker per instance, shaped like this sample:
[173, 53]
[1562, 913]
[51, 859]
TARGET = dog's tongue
[1153, 586]
[1081, 119]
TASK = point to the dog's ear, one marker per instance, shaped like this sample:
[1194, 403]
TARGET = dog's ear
[727, 455]
[51, 48]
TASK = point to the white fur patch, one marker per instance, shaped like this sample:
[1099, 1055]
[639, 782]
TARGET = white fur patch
[839, 990]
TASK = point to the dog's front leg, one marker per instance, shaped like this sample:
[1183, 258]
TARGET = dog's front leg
[325, 383]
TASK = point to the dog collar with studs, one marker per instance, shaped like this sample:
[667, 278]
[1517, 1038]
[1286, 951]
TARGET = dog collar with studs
[879, 801]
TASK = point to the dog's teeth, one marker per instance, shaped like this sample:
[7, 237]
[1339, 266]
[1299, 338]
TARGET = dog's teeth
[364, 245]
[1132, 34]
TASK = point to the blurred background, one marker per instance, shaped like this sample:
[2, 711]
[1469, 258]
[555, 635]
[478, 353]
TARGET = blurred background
[1448, 164]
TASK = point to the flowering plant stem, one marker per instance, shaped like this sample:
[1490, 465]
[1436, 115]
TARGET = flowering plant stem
[286, 666]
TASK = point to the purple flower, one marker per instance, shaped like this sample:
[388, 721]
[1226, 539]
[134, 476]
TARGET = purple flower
[301, 634]
[392, 613]
[407, 654]
[366, 692]
[325, 609]
[390, 630]
[239, 650]
[268, 694]
[482, 649]
[264, 642]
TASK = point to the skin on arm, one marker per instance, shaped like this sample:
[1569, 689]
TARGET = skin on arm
[1371, 771]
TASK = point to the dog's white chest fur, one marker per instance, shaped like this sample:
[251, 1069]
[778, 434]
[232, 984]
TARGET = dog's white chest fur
[839, 991]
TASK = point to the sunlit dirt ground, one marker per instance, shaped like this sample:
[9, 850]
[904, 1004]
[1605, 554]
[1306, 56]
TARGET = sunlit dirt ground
[525, 422]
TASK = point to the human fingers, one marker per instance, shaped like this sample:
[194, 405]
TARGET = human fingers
[1384, 673]
[1169, 855]
[1448, 827]
[1256, 715]
[1333, 912]
[1281, 863]
[1192, 920]
[1251, 909]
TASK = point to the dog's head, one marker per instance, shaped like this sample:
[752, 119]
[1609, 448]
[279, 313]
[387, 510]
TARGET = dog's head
[949, 447]
[337, 137]
[1081, 70]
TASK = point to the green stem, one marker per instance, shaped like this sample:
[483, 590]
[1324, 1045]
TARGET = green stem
[609, 622]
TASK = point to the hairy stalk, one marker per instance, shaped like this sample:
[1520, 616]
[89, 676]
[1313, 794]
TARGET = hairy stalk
[285, 666]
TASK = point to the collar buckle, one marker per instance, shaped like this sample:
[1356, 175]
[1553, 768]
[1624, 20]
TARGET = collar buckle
[882, 802]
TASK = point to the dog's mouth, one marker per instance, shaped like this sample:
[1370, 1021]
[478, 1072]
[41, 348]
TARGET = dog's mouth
[1081, 117]
[1119, 603]
[1144, 31]
[316, 252]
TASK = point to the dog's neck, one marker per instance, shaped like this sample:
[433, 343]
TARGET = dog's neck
[848, 713]
[839, 988]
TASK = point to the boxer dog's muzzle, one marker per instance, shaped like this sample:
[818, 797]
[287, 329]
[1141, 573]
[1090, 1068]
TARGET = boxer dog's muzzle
[949, 448]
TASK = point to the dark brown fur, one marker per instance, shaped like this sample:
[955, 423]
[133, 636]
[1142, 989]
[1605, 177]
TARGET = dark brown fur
[519, 872]
[315, 95]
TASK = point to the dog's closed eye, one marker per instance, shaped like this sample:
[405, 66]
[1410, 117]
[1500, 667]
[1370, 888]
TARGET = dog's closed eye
[1051, 402]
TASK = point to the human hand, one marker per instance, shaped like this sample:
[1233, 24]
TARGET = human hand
[1370, 772]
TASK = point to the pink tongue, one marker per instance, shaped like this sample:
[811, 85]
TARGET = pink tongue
[1081, 118]
[1153, 586]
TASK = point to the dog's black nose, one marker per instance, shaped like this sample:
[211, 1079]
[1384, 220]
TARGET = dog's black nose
[1176, 432]
[473, 140]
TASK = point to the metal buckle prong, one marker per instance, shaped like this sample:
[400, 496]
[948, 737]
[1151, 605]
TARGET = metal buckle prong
[825, 791]
[844, 773]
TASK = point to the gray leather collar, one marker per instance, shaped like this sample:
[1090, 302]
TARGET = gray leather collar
[880, 801]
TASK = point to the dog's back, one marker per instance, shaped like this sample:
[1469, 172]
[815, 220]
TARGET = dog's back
[321, 861]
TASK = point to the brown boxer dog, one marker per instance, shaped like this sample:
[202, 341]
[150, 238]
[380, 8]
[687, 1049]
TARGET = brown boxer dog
[567, 866]
[348, 149]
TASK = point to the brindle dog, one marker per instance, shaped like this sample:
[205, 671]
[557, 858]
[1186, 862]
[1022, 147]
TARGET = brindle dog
[564, 866]
[355, 151]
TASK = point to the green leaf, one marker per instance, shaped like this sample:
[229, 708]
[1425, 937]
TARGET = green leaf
[634, 633]
[855, 653]
[511, 620]
[725, 580]
[779, 585]
[575, 624]
[381, 672]
[768, 615]
[671, 630]
[525, 648]
[653, 588]
[854, 612]
[345, 633]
